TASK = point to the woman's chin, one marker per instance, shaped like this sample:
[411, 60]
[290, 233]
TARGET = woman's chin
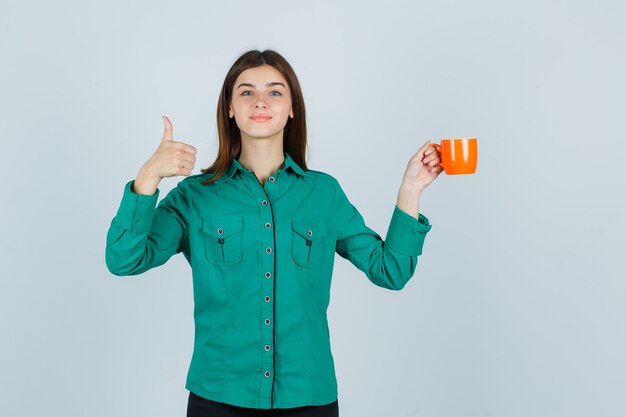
[257, 134]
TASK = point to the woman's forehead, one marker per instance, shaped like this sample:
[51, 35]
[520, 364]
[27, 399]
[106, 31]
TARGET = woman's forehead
[260, 76]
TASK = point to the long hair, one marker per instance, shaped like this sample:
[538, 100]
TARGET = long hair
[294, 134]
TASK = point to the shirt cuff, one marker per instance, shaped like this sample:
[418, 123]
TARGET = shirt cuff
[136, 211]
[406, 234]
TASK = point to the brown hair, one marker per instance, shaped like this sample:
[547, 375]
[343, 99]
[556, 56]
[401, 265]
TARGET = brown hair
[294, 135]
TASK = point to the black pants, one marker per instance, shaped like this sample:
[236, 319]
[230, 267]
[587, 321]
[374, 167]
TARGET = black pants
[203, 407]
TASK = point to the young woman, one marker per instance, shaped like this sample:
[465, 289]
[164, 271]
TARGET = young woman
[260, 231]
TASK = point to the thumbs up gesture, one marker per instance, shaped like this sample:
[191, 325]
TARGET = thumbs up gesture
[172, 158]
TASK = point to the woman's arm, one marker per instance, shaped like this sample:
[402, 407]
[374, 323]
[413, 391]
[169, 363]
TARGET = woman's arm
[141, 236]
[421, 170]
[392, 262]
[389, 263]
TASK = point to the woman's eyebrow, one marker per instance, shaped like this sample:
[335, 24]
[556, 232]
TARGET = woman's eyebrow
[272, 84]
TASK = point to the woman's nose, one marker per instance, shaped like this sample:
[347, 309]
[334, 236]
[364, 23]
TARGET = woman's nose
[260, 104]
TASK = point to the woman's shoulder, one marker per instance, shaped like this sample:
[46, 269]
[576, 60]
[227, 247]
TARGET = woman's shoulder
[320, 175]
[194, 180]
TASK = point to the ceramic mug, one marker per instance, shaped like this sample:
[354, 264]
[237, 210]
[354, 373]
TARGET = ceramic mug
[458, 155]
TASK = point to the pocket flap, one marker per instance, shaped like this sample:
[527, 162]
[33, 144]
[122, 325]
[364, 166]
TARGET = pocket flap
[309, 229]
[222, 226]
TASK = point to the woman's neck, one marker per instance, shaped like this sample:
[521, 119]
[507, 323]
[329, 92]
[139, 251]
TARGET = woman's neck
[263, 164]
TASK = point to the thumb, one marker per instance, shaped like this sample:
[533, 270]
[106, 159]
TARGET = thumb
[168, 131]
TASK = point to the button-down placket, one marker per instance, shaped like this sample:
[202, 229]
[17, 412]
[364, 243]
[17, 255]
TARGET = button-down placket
[268, 287]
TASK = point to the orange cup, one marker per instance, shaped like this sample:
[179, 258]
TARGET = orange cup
[458, 156]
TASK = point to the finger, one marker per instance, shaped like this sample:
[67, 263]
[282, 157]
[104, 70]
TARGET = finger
[186, 156]
[168, 130]
[186, 148]
[431, 153]
[186, 165]
[181, 155]
[183, 171]
[434, 161]
[430, 157]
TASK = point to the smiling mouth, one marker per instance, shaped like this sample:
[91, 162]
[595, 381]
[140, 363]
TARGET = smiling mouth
[260, 119]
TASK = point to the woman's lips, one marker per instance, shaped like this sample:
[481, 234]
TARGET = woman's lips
[261, 119]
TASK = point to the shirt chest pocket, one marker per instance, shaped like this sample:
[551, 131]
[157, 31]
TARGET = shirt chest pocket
[223, 239]
[308, 238]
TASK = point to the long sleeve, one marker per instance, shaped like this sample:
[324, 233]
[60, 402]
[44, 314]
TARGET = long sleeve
[141, 236]
[390, 263]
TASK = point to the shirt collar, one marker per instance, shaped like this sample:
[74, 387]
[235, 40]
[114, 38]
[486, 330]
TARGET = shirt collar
[236, 166]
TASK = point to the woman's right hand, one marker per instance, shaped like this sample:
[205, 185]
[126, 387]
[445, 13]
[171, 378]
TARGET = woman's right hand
[170, 159]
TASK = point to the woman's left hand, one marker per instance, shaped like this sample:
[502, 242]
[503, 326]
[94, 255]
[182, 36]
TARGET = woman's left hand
[423, 168]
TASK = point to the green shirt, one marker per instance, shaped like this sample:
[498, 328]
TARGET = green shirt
[262, 259]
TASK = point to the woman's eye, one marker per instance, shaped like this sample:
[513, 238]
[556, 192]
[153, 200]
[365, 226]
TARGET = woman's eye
[278, 93]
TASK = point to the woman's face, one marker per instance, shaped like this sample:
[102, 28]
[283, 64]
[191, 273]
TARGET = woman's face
[261, 103]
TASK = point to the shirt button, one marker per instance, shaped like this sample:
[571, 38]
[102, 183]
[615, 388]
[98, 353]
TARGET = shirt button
[264, 202]
[271, 179]
[267, 347]
[220, 231]
[268, 225]
[268, 250]
[267, 373]
[268, 275]
[267, 298]
[309, 232]
[267, 322]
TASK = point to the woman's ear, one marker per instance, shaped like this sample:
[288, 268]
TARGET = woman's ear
[230, 112]
[291, 113]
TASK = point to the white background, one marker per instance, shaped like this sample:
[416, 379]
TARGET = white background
[517, 305]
